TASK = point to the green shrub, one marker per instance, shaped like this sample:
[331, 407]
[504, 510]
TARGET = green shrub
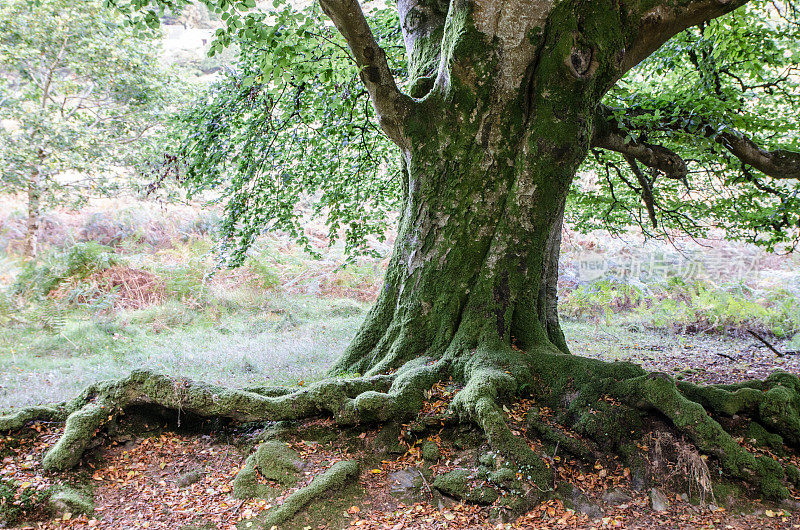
[689, 306]
[601, 298]
[77, 262]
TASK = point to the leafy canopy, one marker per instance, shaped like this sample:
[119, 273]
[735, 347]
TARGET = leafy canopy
[79, 93]
[291, 126]
[739, 74]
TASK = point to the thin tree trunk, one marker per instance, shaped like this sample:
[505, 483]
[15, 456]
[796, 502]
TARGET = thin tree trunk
[31, 248]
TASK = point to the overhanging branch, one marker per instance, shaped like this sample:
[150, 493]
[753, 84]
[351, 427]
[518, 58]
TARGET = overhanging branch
[608, 135]
[391, 105]
[660, 21]
[777, 164]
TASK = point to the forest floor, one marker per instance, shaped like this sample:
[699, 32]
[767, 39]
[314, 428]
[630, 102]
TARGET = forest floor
[284, 317]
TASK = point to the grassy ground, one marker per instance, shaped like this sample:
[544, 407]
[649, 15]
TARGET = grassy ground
[292, 343]
[138, 288]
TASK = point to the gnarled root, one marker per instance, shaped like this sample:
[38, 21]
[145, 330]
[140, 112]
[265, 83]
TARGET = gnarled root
[333, 479]
[594, 405]
[610, 404]
[349, 401]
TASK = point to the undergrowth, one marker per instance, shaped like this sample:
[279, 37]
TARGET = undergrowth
[687, 306]
[19, 501]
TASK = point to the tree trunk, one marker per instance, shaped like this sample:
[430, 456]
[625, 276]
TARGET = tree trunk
[476, 258]
[31, 247]
[502, 116]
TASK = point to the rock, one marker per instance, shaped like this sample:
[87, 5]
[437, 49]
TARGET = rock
[245, 483]
[68, 500]
[388, 440]
[791, 505]
[638, 479]
[579, 502]
[405, 485]
[456, 484]
[277, 461]
[658, 501]
[430, 451]
[616, 496]
[190, 477]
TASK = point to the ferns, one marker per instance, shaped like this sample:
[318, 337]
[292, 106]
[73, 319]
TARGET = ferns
[51, 316]
[78, 262]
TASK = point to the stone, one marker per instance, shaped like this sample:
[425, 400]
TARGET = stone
[658, 501]
[405, 485]
[581, 503]
[430, 451]
[277, 461]
[68, 500]
[616, 496]
[190, 477]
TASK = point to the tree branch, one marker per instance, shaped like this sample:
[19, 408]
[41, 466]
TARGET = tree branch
[608, 135]
[660, 21]
[778, 164]
[391, 105]
[647, 189]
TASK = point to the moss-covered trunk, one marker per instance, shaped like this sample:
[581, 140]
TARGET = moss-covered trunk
[505, 126]
[474, 258]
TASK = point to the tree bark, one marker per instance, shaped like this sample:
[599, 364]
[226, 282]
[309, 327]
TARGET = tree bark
[31, 247]
[476, 258]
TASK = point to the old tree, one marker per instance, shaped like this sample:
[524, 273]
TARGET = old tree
[502, 102]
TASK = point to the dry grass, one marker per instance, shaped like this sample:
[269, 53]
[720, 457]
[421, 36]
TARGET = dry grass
[131, 288]
[675, 459]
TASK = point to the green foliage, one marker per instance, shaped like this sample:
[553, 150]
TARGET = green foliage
[737, 74]
[601, 298]
[688, 306]
[77, 262]
[79, 95]
[17, 501]
[292, 127]
[699, 307]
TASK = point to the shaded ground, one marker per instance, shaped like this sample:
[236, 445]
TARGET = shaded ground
[171, 481]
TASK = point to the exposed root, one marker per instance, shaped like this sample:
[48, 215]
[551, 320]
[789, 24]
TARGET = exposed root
[602, 408]
[17, 420]
[349, 401]
[333, 479]
[608, 403]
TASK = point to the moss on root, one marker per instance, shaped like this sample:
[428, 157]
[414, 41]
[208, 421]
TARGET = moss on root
[335, 478]
[277, 461]
[246, 485]
[69, 500]
[456, 483]
[606, 404]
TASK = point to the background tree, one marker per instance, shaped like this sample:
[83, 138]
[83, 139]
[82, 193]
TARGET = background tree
[502, 104]
[80, 95]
